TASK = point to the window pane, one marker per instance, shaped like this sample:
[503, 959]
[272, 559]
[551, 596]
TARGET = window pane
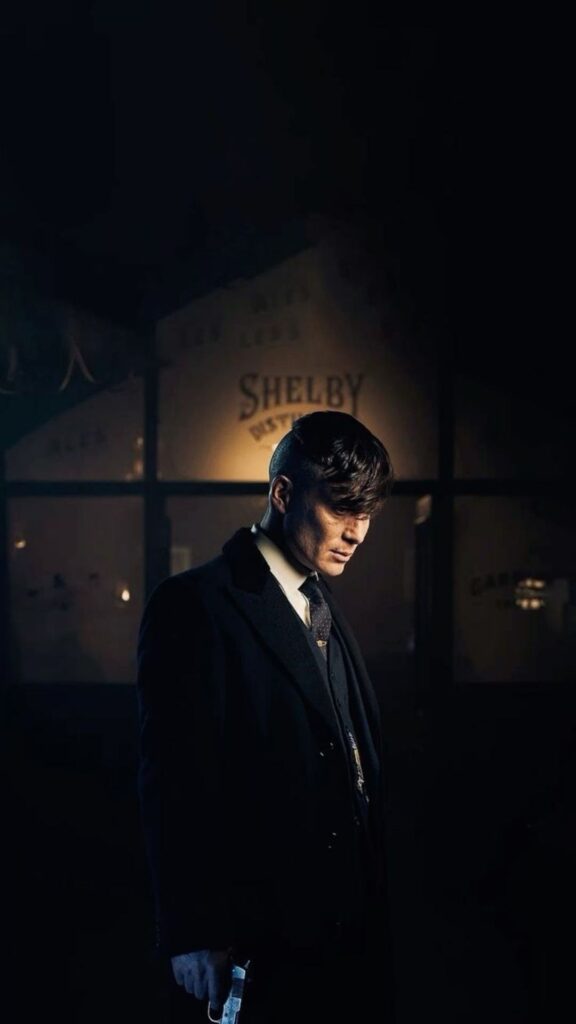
[515, 573]
[76, 577]
[101, 438]
[505, 430]
[376, 590]
[315, 332]
[201, 525]
[377, 594]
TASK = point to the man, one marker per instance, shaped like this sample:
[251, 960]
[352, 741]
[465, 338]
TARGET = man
[261, 776]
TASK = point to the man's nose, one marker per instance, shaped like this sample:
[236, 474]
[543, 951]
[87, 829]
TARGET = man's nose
[354, 531]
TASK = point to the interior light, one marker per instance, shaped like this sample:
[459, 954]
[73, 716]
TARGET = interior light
[122, 592]
[423, 509]
[530, 593]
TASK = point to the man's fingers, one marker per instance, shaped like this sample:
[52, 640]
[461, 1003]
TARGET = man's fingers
[199, 978]
[205, 974]
[192, 980]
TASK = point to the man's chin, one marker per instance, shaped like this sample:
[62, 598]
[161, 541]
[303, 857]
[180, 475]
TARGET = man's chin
[333, 568]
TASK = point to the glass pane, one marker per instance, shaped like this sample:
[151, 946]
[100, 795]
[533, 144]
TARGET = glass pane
[201, 525]
[515, 589]
[376, 591]
[315, 332]
[506, 430]
[101, 438]
[76, 582]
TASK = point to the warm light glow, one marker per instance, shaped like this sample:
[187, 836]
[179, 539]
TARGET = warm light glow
[122, 592]
[529, 593]
[20, 543]
[530, 603]
[137, 471]
[423, 509]
[531, 583]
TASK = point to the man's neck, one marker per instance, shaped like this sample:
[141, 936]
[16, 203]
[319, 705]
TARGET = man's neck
[276, 535]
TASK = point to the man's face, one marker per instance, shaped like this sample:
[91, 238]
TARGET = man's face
[317, 535]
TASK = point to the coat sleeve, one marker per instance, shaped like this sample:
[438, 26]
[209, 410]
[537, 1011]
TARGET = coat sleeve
[181, 703]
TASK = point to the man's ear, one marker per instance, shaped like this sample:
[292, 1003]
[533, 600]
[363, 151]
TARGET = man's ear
[281, 490]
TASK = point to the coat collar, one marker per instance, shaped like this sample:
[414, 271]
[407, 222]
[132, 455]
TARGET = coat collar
[250, 570]
[288, 575]
[248, 567]
[258, 595]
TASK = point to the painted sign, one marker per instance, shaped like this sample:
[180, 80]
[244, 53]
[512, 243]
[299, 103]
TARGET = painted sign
[242, 363]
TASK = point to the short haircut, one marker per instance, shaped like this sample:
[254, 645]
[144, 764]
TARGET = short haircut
[335, 449]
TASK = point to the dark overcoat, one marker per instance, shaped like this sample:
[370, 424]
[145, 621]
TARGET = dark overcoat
[246, 799]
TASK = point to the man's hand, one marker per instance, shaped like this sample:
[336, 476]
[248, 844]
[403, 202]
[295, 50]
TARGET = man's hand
[206, 974]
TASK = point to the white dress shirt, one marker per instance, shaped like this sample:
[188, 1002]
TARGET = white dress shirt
[289, 578]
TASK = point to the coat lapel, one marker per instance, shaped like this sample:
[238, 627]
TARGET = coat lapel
[257, 594]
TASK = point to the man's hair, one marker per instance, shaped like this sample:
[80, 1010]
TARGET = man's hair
[335, 449]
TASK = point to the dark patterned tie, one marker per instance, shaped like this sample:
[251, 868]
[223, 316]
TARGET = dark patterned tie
[320, 617]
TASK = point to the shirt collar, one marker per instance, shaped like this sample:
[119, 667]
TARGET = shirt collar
[289, 577]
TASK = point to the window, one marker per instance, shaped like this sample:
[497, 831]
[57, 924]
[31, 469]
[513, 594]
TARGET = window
[515, 598]
[76, 585]
[507, 429]
[101, 438]
[461, 578]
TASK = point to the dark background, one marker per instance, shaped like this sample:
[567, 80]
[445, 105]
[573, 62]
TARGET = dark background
[145, 146]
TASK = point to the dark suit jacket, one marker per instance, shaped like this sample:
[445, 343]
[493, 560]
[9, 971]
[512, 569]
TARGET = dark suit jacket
[246, 802]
